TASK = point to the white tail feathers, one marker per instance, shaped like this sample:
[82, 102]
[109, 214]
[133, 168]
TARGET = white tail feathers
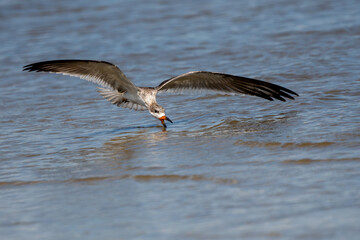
[118, 99]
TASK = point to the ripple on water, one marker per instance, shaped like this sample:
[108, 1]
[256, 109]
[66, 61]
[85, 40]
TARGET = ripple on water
[309, 161]
[285, 144]
[137, 177]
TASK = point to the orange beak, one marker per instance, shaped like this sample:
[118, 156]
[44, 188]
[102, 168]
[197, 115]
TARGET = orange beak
[163, 118]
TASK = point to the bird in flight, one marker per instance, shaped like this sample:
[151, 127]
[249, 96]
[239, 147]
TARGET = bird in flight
[119, 90]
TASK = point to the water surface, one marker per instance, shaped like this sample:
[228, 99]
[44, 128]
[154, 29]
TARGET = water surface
[73, 166]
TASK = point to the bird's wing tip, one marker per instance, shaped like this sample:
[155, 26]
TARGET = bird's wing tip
[29, 68]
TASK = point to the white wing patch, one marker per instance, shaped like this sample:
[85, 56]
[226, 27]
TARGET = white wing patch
[118, 99]
[89, 77]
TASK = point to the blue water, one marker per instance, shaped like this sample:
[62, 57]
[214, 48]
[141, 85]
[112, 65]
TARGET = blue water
[73, 166]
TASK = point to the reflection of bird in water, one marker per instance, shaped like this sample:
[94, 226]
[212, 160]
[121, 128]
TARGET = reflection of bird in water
[121, 91]
[130, 146]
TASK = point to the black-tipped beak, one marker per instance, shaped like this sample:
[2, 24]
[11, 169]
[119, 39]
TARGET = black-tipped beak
[166, 118]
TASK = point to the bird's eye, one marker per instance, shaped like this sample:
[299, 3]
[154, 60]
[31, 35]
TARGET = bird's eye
[156, 111]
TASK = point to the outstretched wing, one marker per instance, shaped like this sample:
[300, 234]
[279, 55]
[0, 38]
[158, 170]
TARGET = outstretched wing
[103, 73]
[221, 82]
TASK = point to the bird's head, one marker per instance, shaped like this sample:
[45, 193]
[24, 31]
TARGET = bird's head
[158, 112]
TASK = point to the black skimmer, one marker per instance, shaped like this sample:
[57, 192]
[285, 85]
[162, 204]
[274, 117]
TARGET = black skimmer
[119, 90]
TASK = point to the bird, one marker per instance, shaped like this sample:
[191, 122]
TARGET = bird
[120, 91]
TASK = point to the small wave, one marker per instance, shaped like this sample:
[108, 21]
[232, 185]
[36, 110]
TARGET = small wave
[143, 178]
[308, 160]
[285, 145]
[19, 183]
[173, 177]
[238, 126]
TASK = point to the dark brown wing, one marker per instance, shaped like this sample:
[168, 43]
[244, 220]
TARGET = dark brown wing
[221, 82]
[103, 73]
